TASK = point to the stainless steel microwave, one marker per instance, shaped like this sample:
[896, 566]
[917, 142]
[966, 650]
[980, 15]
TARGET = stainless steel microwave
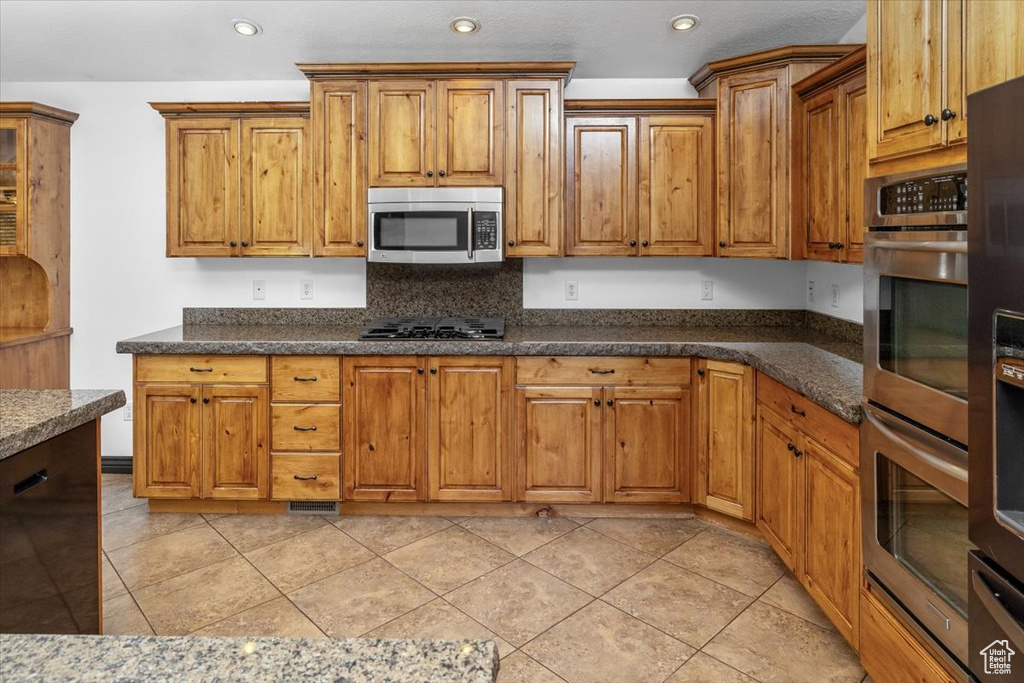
[435, 225]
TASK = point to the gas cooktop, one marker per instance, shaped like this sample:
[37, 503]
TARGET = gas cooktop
[434, 328]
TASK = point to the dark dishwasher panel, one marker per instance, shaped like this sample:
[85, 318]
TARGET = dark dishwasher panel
[49, 536]
[996, 606]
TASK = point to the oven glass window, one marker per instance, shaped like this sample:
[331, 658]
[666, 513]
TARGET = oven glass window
[421, 230]
[925, 530]
[923, 332]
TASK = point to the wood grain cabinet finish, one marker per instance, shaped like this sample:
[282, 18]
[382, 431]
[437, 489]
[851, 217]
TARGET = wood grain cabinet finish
[779, 486]
[305, 477]
[235, 435]
[889, 652]
[469, 411]
[167, 462]
[470, 132]
[13, 186]
[725, 437]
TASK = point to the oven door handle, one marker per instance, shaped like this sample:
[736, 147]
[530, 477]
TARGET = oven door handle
[940, 247]
[472, 233]
[1010, 626]
[944, 466]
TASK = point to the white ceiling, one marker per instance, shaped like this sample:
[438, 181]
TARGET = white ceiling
[185, 40]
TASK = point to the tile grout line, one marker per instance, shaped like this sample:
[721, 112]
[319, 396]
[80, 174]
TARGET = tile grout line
[127, 591]
[168, 578]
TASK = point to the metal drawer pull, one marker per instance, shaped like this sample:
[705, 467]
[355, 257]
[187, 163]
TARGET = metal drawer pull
[304, 429]
[801, 413]
[305, 379]
[200, 369]
[602, 372]
[31, 482]
[791, 447]
[311, 478]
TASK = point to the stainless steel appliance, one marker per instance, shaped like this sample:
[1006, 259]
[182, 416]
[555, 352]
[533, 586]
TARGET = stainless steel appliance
[435, 225]
[996, 382]
[434, 328]
[914, 435]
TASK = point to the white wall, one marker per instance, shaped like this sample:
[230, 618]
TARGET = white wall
[849, 278]
[629, 88]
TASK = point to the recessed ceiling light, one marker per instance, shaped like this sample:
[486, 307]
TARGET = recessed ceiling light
[244, 27]
[684, 22]
[465, 25]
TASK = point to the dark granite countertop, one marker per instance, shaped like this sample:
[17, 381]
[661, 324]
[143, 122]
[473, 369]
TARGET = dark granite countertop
[31, 416]
[154, 658]
[823, 368]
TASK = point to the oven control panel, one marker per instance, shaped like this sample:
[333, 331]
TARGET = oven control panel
[925, 195]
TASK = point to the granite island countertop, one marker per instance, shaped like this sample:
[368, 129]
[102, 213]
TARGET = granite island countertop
[823, 368]
[155, 658]
[31, 416]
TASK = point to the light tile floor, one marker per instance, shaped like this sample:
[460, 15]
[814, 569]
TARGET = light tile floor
[605, 600]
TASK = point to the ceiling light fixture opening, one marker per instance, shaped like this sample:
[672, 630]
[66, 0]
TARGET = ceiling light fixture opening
[465, 25]
[244, 27]
[684, 22]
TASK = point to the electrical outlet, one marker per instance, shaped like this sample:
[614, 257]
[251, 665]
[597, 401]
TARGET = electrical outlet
[572, 290]
[707, 292]
[129, 413]
[810, 291]
[306, 289]
[259, 290]
[835, 296]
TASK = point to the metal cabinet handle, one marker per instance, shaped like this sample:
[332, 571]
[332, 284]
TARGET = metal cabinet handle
[31, 482]
[602, 372]
[200, 369]
[441, 173]
[359, 243]
[597, 403]
[801, 413]
[700, 372]
[645, 243]
[244, 243]
[840, 245]
[305, 379]
[947, 114]
[791, 447]
[632, 243]
[430, 174]
[832, 245]
[419, 371]
[433, 371]
[192, 400]
[206, 400]
[310, 478]
[304, 429]
[233, 243]
[797, 452]
[511, 243]
[721, 244]
[930, 120]
[610, 402]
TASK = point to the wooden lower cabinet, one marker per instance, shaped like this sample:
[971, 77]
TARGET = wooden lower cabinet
[778, 486]
[168, 441]
[559, 444]
[235, 436]
[304, 476]
[725, 438]
[890, 653]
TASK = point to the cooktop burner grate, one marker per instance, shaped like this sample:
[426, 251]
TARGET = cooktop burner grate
[434, 328]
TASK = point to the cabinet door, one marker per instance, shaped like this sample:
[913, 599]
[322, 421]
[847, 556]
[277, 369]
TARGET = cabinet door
[677, 177]
[753, 166]
[384, 424]
[13, 196]
[338, 116]
[533, 168]
[468, 415]
[559, 448]
[235, 438]
[905, 65]
[853, 129]
[276, 187]
[202, 187]
[470, 132]
[168, 441]
[818, 191]
[725, 418]
[831, 546]
[777, 493]
[601, 184]
[985, 47]
[401, 143]
[647, 439]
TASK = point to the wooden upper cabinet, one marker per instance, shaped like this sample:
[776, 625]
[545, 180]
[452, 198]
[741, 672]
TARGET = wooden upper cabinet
[853, 149]
[821, 175]
[203, 187]
[725, 438]
[533, 168]
[470, 132]
[779, 485]
[647, 445]
[469, 410]
[601, 186]
[168, 441]
[338, 113]
[13, 186]
[402, 120]
[677, 181]
[276, 187]
[235, 442]
[384, 434]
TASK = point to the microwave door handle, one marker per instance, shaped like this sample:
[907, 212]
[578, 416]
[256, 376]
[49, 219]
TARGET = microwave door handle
[472, 234]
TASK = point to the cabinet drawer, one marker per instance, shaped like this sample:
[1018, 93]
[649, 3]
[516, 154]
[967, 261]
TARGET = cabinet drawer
[603, 371]
[305, 379]
[828, 429]
[201, 369]
[305, 477]
[305, 427]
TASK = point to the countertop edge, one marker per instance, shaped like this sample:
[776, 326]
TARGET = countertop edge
[59, 424]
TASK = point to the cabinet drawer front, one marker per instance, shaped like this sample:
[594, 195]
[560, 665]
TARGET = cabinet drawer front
[305, 427]
[603, 371]
[201, 369]
[838, 435]
[305, 477]
[305, 379]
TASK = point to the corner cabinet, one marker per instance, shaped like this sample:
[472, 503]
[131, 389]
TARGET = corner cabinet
[754, 135]
[639, 177]
[725, 437]
[239, 178]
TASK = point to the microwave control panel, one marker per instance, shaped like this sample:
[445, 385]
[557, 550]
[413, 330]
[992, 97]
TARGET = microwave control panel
[485, 230]
[925, 195]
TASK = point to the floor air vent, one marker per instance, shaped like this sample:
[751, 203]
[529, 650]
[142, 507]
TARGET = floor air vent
[312, 507]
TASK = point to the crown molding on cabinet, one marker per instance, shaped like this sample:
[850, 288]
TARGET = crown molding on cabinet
[838, 70]
[316, 72]
[757, 60]
[248, 109]
[41, 111]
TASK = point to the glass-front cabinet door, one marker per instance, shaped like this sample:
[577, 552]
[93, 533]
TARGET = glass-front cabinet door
[12, 186]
